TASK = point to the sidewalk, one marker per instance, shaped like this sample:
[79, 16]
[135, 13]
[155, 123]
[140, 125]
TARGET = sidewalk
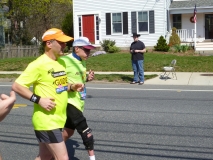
[183, 78]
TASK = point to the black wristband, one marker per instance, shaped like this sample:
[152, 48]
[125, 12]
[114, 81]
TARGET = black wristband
[71, 88]
[35, 98]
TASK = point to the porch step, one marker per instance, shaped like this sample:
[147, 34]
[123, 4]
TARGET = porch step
[208, 40]
[204, 49]
[205, 44]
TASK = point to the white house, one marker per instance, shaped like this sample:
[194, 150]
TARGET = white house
[118, 19]
[181, 16]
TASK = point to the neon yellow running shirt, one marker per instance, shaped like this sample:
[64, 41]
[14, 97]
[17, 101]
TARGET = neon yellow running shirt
[76, 73]
[49, 80]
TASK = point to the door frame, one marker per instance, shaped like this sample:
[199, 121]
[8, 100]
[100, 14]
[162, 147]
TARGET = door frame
[78, 17]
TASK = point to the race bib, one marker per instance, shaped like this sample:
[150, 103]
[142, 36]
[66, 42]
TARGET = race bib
[83, 94]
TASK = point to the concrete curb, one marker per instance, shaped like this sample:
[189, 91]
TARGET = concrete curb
[183, 78]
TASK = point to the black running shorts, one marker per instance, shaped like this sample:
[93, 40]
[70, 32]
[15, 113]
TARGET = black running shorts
[52, 136]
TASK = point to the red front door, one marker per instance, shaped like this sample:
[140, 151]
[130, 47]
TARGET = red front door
[88, 27]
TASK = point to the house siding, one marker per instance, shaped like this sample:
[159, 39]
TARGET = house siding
[129, 6]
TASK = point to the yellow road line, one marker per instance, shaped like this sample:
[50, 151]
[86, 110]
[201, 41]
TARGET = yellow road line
[19, 105]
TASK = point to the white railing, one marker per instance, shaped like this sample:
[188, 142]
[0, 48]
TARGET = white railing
[185, 35]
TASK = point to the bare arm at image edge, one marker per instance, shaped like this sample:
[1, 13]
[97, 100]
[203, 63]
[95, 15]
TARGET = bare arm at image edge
[6, 104]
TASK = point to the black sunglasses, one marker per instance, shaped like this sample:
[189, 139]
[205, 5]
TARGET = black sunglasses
[85, 49]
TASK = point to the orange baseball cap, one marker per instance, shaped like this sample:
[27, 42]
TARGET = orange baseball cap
[56, 34]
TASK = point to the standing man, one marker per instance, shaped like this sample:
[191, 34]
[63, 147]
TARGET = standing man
[76, 72]
[6, 104]
[49, 95]
[137, 49]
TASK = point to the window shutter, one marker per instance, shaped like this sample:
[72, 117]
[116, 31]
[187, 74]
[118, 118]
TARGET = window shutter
[134, 22]
[151, 22]
[167, 20]
[108, 24]
[125, 22]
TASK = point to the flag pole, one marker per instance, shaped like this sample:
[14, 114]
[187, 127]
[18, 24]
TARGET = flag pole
[195, 35]
[195, 31]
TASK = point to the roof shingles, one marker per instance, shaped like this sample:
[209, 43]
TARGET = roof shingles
[189, 4]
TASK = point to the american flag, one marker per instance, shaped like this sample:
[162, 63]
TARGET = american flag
[195, 12]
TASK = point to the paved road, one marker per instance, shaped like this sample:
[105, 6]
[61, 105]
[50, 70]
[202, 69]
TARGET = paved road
[149, 122]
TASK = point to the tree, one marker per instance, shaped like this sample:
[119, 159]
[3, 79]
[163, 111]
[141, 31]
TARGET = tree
[37, 16]
[67, 26]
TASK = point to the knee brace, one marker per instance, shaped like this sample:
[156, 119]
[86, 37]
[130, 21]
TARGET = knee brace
[88, 141]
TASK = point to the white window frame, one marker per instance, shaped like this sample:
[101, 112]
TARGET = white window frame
[76, 24]
[99, 20]
[117, 33]
[143, 32]
[80, 31]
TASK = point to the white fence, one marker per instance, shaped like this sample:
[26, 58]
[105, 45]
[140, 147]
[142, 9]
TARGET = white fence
[19, 51]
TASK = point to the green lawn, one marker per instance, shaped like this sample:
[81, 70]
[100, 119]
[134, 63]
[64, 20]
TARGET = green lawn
[153, 62]
[122, 62]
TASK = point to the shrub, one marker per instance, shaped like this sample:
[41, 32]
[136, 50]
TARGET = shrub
[162, 45]
[174, 38]
[109, 46]
[181, 48]
[184, 48]
[113, 49]
[177, 48]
